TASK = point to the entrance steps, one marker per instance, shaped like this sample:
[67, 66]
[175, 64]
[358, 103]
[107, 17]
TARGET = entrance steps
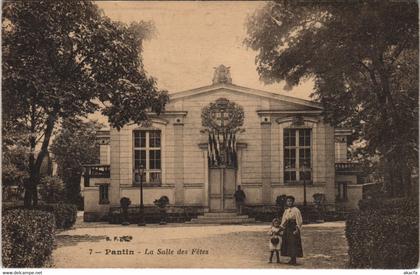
[222, 218]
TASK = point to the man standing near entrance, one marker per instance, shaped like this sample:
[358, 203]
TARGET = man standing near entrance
[239, 199]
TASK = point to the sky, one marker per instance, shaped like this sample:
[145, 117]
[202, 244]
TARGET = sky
[192, 38]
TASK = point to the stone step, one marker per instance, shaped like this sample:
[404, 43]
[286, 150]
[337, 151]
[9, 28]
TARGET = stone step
[222, 216]
[222, 213]
[222, 221]
[228, 220]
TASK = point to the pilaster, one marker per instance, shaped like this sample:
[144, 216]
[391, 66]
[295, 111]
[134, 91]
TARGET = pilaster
[179, 163]
[266, 160]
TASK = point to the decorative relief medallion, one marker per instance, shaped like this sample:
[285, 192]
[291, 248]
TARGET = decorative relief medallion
[222, 116]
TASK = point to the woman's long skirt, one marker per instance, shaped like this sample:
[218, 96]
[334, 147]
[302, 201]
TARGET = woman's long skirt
[291, 245]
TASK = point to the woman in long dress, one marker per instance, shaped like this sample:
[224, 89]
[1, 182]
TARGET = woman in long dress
[291, 221]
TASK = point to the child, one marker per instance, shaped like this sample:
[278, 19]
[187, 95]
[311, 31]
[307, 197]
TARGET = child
[275, 234]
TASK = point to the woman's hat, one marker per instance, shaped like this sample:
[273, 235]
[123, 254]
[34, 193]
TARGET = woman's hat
[290, 197]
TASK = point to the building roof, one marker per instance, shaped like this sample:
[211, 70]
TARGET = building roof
[244, 90]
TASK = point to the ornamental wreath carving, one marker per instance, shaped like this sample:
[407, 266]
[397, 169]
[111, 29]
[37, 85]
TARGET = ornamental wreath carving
[222, 116]
[222, 120]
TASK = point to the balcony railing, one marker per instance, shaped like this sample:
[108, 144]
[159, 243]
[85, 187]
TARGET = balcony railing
[95, 171]
[347, 167]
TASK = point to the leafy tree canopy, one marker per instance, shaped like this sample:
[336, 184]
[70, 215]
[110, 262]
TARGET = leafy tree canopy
[59, 56]
[76, 145]
[363, 58]
[64, 59]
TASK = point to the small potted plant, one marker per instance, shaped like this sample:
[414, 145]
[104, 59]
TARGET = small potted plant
[125, 203]
[161, 203]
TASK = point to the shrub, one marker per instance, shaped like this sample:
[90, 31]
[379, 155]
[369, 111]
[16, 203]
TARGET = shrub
[384, 234]
[52, 189]
[409, 207]
[27, 238]
[125, 202]
[65, 214]
[319, 198]
[264, 213]
[162, 202]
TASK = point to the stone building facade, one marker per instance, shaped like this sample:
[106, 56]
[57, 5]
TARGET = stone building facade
[280, 144]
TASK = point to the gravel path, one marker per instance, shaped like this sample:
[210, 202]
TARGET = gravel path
[183, 246]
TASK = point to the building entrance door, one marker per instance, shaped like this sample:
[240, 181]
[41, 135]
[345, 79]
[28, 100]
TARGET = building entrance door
[222, 185]
[222, 121]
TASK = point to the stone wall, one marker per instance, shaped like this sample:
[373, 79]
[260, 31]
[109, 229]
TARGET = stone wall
[93, 211]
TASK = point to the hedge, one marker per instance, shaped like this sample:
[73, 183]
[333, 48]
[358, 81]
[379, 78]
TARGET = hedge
[65, 214]
[27, 238]
[406, 206]
[384, 235]
[264, 213]
[152, 214]
[267, 213]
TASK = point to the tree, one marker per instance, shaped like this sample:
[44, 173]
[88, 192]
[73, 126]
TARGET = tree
[14, 154]
[52, 189]
[65, 59]
[14, 166]
[363, 58]
[75, 145]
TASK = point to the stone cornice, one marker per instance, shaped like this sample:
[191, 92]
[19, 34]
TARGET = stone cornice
[288, 112]
[342, 132]
[291, 118]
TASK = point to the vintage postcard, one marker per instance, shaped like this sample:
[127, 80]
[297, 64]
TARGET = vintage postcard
[210, 134]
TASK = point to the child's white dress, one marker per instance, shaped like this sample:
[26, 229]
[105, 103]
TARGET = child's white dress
[276, 233]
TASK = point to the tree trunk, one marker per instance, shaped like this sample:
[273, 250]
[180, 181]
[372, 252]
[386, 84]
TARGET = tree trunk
[31, 191]
[27, 199]
[34, 181]
[28, 184]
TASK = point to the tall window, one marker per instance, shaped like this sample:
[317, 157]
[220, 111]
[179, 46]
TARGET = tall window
[147, 152]
[297, 155]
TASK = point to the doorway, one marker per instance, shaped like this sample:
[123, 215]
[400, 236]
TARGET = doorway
[222, 186]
